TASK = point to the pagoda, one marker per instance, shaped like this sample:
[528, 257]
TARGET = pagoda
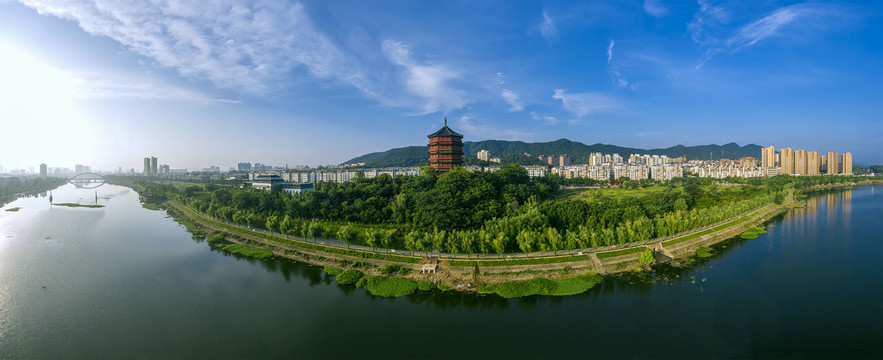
[445, 149]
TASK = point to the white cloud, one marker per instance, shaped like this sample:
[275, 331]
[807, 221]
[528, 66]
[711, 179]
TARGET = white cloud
[122, 85]
[581, 104]
[512, 98]
[618, 78]
[655, 8]
[709, 17]
[243, 46]
[428, 81]
[771, 24]
[544, 118]
[548, 28]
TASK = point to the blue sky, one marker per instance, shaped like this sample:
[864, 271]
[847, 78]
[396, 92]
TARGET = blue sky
[198, 83]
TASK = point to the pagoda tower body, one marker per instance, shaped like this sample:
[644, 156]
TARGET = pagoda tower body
[445, 149]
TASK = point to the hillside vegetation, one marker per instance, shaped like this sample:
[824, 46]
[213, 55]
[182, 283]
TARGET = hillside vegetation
[578, 152]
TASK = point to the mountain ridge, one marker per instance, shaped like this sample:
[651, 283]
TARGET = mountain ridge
[577, 151]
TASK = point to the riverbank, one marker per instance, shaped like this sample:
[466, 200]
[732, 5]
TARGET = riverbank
[481, 274]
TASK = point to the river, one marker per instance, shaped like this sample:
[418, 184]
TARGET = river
[123, 281]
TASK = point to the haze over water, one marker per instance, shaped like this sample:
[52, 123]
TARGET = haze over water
[123, 281]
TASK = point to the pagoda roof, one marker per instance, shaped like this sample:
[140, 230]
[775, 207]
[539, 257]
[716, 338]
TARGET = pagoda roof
[445, 131]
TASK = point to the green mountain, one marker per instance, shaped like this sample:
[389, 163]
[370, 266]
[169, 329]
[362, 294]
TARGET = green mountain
[578, 152]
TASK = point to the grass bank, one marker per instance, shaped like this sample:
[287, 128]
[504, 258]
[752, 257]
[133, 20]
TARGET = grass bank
[79, 205]
[542, 286]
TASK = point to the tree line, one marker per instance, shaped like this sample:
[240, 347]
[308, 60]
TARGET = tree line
[481, 213]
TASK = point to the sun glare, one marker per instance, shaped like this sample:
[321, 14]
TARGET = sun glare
[39, 119]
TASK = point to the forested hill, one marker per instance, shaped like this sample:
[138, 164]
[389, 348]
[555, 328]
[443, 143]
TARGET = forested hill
[578, 152]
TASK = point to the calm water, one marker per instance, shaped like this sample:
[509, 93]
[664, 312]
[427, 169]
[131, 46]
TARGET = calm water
[127, 282]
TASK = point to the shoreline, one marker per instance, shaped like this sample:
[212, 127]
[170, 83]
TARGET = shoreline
[453, 274]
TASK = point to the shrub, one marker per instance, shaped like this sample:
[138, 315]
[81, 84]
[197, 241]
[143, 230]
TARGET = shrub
[424, 285]
[387, 287]
[703, 251]
[390, 268]
[332, 271]
[349, 277]
[646, 258]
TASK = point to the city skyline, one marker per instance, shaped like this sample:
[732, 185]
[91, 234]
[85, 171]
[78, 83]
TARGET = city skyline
[319, 83]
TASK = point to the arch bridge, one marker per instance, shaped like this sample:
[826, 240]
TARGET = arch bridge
[87, 180]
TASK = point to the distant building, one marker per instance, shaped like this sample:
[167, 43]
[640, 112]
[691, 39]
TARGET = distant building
[79, 169]
[833, 164]
[846, 159]
[495, 160]
[563, 160]
[812, 163]
[768, 157]
[296, 188]
[800, 162]
[243, 166]
[266, 181]
[146, 166]
[44, 171]
[163, 169]
[484, 155]
[786, 156]
[153, 165]
[445, 149]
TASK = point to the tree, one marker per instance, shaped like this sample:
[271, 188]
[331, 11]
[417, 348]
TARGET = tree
[344, 234]
[388, 235]
[272, 223]
[371, 238]
[315, 229]
[500, 241]
[526, 240]
[412, 241]
[554, 239]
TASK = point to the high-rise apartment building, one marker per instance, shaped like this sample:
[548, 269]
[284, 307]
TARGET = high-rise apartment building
[153, 166]
[812, 163]
[44, 170]
[786, 157]
[833, 164]
[768, 157]
[484, 155]
[146, 166]
[563, 160]
[800, 162]
[846, 159]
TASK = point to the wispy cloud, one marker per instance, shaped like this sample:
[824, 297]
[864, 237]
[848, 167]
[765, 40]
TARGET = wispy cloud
[582, 104]
[237, 45]
[768, 26]
[618, 78]
[512, 98]
[548, 28]
[543, 118]
[706, 20]
[431, 82]
[655, 8]
[124, 86]
[771, 24]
